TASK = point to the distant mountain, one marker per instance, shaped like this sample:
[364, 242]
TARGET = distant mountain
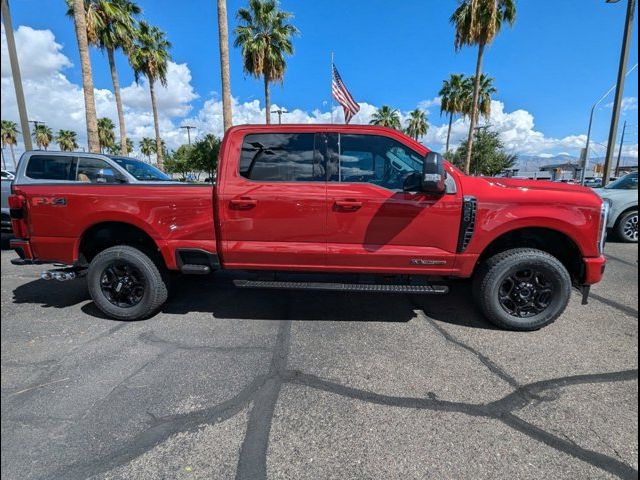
[532, 163]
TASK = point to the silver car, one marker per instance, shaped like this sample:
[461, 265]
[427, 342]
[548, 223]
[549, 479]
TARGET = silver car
[623, 194]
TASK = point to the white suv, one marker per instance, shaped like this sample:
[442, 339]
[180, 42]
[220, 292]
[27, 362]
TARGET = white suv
[623, 194]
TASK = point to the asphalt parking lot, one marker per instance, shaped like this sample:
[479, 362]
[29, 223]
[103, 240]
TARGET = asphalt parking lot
[249, 384]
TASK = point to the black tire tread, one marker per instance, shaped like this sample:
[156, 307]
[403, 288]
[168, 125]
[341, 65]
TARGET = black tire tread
[159, 285]
[489, 268]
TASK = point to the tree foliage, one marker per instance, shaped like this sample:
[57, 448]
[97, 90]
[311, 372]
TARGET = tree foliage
[488, 157]
[264, 36]
[386, 116]
[190, 161]
[417, 124]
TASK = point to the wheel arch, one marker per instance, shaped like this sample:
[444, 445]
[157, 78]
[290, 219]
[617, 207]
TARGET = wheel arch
[555, 242]
[105, 234]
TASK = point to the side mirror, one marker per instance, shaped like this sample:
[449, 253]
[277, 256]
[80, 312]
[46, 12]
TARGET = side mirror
[413, 182]
[433, 174]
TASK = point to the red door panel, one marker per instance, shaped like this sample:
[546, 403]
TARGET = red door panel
[395, 231]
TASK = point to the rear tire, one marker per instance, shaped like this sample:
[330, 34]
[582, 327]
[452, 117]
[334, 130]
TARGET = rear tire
[627, 227]
[126, 284]
[522, 289]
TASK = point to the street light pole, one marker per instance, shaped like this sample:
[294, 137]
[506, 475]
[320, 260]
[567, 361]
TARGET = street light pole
[188, 128]
[280, 111]
[593, 109]
[17, 78]
[624, 55]
[624, 129]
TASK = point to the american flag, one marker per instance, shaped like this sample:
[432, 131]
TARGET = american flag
[342, 95]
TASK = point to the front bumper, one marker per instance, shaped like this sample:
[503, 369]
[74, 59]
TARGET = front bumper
[593, 269]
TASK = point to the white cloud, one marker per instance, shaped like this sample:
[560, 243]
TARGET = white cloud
[173, 100]
[628, 104]
[51, 97]
[39, 53]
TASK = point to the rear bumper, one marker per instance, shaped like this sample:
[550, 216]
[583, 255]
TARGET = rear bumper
[24, 251]
[593, 269]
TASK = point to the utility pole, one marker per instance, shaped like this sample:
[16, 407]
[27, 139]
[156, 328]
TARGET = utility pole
[188, 129]
[17, 78]
[280, 111]
[624, 55]
[624, 129]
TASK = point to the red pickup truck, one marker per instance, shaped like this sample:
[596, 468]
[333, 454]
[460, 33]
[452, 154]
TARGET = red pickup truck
[318, 199]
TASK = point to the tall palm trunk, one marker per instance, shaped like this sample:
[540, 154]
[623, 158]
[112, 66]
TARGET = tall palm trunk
[116, 89]
[87, 77]
[267, 100]
[13, 156]
[446, 150]
[223, 40]
[156, 124]
[474, 109]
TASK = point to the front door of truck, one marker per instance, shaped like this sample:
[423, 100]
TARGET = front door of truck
[373, 225]
[273, 205]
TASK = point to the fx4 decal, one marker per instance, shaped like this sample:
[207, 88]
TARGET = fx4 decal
[52, 201]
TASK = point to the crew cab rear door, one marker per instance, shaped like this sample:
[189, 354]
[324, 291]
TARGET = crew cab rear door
[373, 225]
[272, 203]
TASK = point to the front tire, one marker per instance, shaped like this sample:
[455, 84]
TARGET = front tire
[627, 227]
[126, 284]
[522, 289]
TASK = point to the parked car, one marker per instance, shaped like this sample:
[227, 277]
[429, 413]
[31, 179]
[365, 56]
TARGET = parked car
[6, 217]
[317, 199]
[593, 182]
[623, 194]
[7, 175]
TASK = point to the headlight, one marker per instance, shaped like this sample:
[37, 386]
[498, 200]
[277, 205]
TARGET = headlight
[604, 219]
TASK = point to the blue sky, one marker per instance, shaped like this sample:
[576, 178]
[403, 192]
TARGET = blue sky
[559, 57]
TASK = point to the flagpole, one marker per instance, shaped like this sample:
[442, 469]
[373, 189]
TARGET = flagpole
[331, 89]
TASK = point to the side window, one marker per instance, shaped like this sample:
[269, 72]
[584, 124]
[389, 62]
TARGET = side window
[94, 170]
[51, 167]
[282, 157]
[374, 159]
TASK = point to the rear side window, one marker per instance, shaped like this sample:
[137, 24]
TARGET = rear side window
[51, 167]
[282, 157]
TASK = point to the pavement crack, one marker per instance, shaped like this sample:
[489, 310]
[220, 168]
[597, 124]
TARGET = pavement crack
[492, 366]
[600, 460]
[632, 312]
[501, 410]
[252, 462]
[152, 339]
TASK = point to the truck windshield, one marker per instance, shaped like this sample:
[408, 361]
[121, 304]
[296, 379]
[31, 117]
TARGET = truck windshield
[140, 170]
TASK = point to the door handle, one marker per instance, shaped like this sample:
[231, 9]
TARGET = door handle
[243, 203]
[348, 204]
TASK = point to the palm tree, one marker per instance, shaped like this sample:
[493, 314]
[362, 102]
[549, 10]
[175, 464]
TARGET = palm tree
[417, 125]
[106, 134]
[149, 56]
[10, 137]
[80, 21]
[67, 140]
[147, 147]
[265, 37]
[478, 22]
[485, 91]
[452, 95]
[42, 135]
[386, 116]
[223, 41]
[110, 26]
[116, 148]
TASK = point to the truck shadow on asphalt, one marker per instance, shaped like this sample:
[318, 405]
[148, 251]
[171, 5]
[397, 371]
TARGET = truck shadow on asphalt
[217, 295]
